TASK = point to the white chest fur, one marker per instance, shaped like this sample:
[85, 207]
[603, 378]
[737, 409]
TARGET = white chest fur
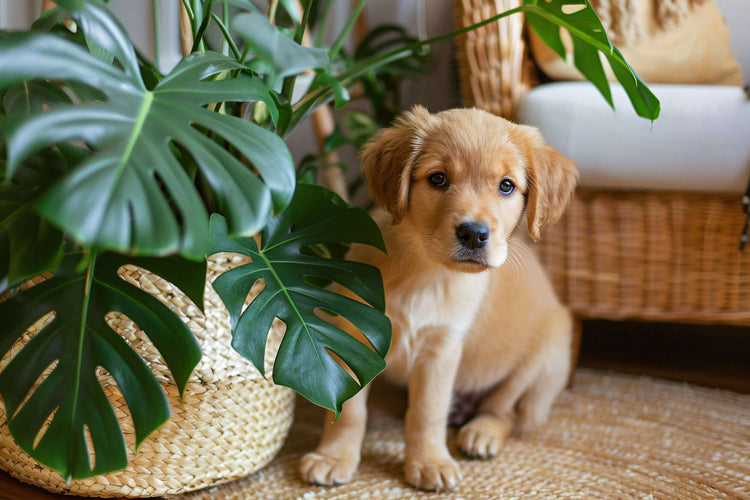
[434, 303]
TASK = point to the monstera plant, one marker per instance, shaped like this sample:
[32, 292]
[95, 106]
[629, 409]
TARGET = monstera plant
[105, 162]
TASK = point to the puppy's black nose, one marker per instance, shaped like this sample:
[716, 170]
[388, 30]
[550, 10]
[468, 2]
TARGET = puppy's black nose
[473, 234]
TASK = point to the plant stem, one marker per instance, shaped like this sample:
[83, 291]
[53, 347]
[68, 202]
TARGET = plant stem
[198, 43]
[394, 54]
[198, 21]
[245, 52]
[345, 32]
[189, 10]
[313, 101]
[299, 33]
[225, 21]
[322, 25]
[288, 88]
[227, 36]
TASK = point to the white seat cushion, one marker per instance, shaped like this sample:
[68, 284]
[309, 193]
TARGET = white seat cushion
[701, 142]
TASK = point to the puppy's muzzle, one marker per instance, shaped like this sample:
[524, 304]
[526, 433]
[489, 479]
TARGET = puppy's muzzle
[473, 235]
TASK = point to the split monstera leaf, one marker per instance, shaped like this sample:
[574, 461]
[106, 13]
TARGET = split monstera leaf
[105, 162]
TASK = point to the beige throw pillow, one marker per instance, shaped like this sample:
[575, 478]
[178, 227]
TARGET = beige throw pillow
[693, 49]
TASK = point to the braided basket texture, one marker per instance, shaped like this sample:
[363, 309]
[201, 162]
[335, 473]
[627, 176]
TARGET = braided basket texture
[231, 422]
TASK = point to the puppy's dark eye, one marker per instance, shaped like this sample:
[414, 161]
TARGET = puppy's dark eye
[438, 179]
[507, 186]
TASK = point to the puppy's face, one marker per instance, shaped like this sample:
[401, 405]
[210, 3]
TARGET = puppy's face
[466, 194]
[457, 183]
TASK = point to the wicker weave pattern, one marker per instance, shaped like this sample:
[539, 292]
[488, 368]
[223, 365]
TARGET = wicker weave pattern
[491, 59]
[231, 422]
[653, 256]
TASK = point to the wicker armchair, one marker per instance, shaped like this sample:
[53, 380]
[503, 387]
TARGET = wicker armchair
[655, 256]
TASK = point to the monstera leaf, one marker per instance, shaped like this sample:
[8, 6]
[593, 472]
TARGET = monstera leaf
[30, 97]
[293, 292]
[133, 193]
[29, 245]
[546, 17]
[79, 340]
[269, 44]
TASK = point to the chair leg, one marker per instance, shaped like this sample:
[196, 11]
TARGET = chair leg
[575, 348]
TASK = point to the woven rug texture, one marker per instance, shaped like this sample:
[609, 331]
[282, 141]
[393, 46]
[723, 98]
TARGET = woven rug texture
[609, 436]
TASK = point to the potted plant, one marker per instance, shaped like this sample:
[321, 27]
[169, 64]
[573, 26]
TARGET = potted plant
[107, 163]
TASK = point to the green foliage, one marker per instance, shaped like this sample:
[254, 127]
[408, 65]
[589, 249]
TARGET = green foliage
[80, 340]
[121, 197]
[360, 127]
[293, 293]
[31, 96]
[106, 157]
[546, 17]
[29, 244]
[281, 55]
[388, 37]
[380, 86]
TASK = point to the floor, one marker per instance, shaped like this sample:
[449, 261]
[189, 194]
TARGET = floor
[704, 355]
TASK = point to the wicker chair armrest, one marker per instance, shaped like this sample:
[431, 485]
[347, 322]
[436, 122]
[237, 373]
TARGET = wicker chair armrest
[494, 67]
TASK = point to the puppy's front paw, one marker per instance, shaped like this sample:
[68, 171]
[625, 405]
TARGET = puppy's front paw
[483, 436]
[325, 470]
[434, 474]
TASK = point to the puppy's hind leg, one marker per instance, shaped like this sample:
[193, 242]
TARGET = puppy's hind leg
[535, 404]
[526, 396]
[485, 434]
[337, 456]
[523, 402]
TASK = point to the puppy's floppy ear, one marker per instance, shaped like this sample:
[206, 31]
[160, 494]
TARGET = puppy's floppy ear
[551, 181]
[388, 160]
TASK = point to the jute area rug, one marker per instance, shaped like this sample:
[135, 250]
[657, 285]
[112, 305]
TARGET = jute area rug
[609, 436]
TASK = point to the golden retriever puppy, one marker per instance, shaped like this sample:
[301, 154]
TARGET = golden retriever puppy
[454, 186]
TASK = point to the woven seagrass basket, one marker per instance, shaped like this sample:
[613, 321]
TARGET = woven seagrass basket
[653, 256]
[231, 422]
